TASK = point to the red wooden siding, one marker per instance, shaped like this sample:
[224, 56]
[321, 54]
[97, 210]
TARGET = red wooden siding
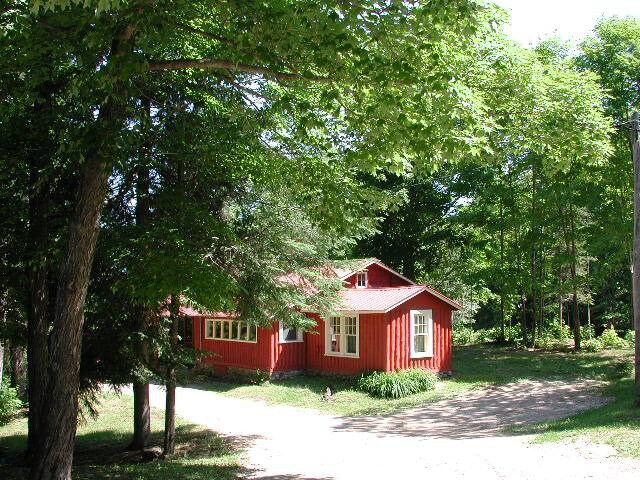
[234, 354]
[287, 357]
[384, 344]
[379, 278]
[399, 335]
[372, 348]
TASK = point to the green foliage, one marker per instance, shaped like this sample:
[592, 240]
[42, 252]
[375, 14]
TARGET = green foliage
[610, 339]
[630, 337]
[593, 345]
[10, 403]
[398, 384]
[587, 332]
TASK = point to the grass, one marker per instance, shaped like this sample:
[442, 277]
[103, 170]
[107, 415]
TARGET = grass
[475, 366]
[99, 453]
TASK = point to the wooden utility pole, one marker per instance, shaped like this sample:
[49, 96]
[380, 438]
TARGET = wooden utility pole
[635, 144]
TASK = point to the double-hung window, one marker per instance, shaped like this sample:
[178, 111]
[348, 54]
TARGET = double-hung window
[231, 330]
[343, 336]
[421, 333]
[290, 335]
[362, 280]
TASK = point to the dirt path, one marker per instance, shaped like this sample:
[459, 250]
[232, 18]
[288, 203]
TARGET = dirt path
[458, 438]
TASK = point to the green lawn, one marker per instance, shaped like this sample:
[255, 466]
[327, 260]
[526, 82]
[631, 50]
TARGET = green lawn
[99, 454]
[475, 366]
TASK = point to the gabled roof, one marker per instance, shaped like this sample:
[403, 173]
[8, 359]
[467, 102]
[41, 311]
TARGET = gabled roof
[345, 269]
[383, 300]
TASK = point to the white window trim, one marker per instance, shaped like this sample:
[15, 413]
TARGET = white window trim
[327, 348]
[366, 279]
[429, 353]
[228, 320]
[299, 335]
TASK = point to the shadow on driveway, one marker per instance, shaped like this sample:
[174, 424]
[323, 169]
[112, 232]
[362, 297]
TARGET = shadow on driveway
[486, 412]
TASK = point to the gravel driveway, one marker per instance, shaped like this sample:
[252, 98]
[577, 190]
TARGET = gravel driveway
[458, 438]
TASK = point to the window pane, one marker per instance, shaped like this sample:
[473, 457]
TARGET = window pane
[243, 330]
[352, 342]
[218, 331]
[335, 325]
[334, 343]
[225, 330]
[350, 325]
[289, 334]
[253, 333]
[209, 328]
[234, 329]
[420, 344]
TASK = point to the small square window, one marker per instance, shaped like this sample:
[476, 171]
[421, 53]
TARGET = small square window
[290, 335]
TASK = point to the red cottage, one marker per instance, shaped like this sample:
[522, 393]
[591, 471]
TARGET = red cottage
[385, 322]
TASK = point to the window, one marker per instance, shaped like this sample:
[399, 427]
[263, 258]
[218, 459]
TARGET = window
[362, 280]
[290, 335]
[421, 333]
[232, 330]
[343, 336]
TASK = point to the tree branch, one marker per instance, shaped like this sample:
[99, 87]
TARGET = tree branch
[205, 34]
[210, 63]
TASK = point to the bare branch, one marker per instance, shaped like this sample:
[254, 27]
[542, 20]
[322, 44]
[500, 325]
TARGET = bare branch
[210, 63]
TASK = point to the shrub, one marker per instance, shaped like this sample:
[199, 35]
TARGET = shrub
[630, 337]
[547, 342]
[610, 339]
[400, 383]
[559, 331]
[10, 403]
[587, 332]
[463, 334]
[592, 345]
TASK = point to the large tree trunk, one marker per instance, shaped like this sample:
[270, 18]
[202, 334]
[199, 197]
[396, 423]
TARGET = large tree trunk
[141, 416]
[170, 408]
[53, 453]
[38, 311]
[141, 408]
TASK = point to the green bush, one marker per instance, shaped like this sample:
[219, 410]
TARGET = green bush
[558, 331]
[592, 345]
[587, 332]
[463, 334]
[400, 383]
[610, 339]
[10, 403]
[630, 337]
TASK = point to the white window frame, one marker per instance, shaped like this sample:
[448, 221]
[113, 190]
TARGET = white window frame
[428, 313]
[343, 336]
[365, 274]
[281, 336]
[229, 321]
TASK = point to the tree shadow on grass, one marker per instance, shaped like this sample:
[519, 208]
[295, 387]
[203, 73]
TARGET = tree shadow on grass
[200, 454]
